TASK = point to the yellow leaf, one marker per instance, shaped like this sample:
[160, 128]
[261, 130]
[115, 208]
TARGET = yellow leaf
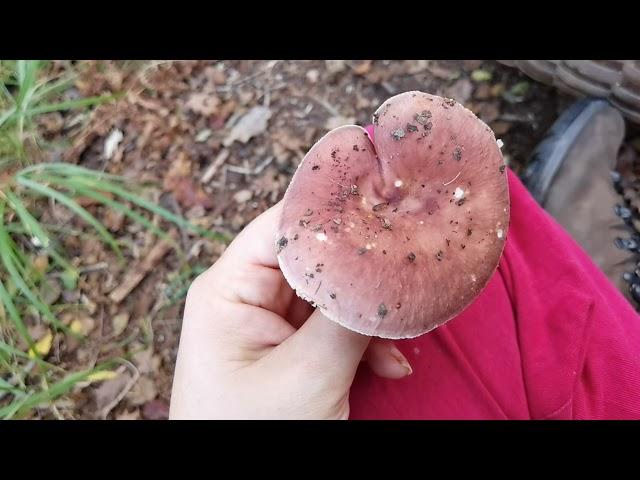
[76, 327]
[42, 346]
[101, 375]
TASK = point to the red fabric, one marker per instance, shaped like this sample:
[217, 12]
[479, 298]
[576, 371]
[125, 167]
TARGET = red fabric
[549, 338]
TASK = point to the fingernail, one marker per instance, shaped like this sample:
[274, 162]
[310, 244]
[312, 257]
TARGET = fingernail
[401, 359]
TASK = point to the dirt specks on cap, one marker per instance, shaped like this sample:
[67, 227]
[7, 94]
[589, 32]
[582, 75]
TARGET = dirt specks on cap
[423, 117]
[457, 154]
[382, 310]
[411, 128]
[411, 257]
[282, 243]
[362, 251]
[439, 255]
[398, 134]
[308, 212]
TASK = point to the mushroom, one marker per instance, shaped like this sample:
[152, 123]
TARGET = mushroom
[408, 224]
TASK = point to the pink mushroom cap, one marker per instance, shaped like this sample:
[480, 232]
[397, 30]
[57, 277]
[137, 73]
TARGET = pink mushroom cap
[395, 235]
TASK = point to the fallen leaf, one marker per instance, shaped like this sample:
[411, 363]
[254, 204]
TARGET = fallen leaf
[203, 135]
[517, 93]
[42, 347]
[253, 123]
[126, 415]
[205, 104]
[497, 90]
[481, 75]
[41, 263]
[119, 323]
[483, 91]
[443, 73]
[189, 195]
[470, 65]
[488, 112]
[109, 390]
[338, 121]
[82, 325]
[312, 75]
[111, 143]
[243, 196]
[460, 90]
[500, 128]
[142, 392]
[155, 410]
[362, 68]
[335, 66]
[113, 220]
[146, 362]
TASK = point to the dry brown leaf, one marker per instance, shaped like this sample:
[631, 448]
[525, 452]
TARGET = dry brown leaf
[253, 123]
[460, 90]
[362, 68]
[146, 361]
[338, 121]
[142, 392]
[119, 323]
[126, 415]
[205, 104]
[109, 390]
[155, 410]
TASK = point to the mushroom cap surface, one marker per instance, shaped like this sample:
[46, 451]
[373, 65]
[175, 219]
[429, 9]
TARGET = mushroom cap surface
[395, 235]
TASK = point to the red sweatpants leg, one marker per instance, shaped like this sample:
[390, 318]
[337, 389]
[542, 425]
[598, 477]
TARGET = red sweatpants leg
[549, 338]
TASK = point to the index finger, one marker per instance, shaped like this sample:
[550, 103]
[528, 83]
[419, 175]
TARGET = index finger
[256, 244]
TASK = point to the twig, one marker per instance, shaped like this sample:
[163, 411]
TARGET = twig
[245, 171]
[136, 375]
[213, 168]
[140, 271]
[326, 105]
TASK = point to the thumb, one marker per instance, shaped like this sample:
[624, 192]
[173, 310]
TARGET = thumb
[329, 346]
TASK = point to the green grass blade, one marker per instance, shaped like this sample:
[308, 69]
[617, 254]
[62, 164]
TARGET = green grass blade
[68, 169]
[5, 116]
[30, 223]
[124, 210]
[51, 87]
[53, 392]
[69, 105]
[15, 317]
[27, 73]
[74, 207]
[167, 215]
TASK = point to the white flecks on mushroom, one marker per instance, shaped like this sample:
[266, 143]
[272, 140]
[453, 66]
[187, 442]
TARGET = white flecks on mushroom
[500, 143]
[368, 246]
[421, 222]
[458, 193]
[398, 183]
[416, 350]
[473, 278]
[500, 233]
[321, 236]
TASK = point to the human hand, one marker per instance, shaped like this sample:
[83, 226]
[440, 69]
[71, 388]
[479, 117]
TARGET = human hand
[251, 349]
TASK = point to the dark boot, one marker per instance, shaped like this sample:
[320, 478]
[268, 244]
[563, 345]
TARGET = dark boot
[570, 176]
